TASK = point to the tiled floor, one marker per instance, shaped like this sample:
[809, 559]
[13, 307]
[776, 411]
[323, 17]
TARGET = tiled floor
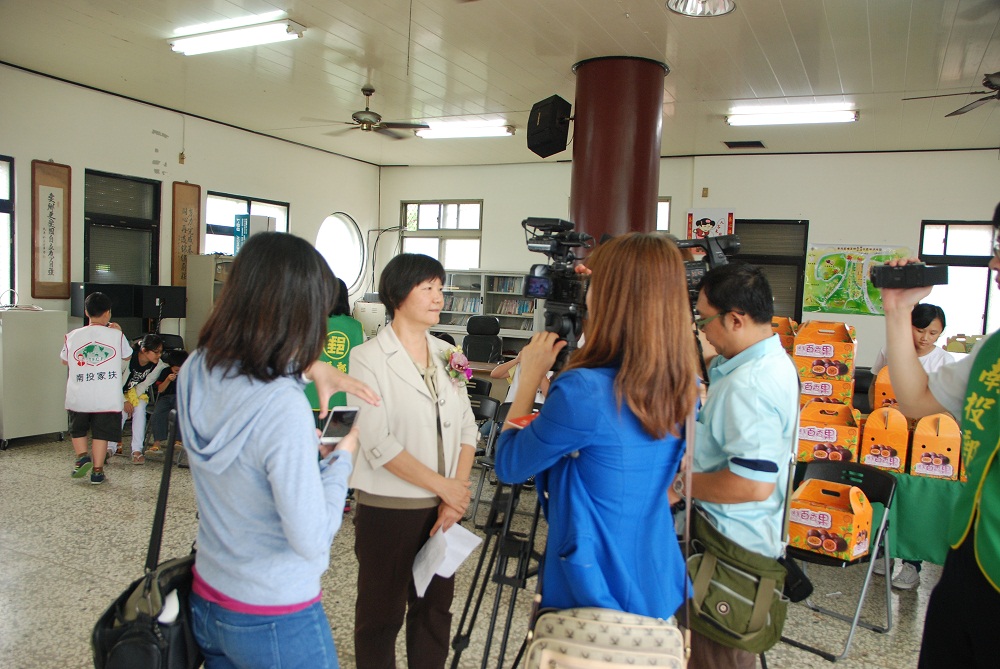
[67, 549]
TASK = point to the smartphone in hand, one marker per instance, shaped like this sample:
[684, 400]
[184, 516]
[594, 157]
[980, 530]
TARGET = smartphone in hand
[338, 424]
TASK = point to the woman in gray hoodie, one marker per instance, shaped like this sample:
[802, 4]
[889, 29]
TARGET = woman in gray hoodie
[268, 510]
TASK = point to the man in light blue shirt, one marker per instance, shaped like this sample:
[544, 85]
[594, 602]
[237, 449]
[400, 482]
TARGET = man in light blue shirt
[745, 432]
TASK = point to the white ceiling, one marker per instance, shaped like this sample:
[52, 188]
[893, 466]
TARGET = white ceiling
[436, 59]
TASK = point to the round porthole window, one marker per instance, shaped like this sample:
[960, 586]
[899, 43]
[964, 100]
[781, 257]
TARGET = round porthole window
[339, 241]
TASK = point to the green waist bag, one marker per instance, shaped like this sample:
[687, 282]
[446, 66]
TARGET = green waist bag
[737, 599]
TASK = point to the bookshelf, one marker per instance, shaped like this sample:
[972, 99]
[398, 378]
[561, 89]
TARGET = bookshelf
[479, 293]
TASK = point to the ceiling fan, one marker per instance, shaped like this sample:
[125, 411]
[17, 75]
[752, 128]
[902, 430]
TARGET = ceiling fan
[990, 81]
[369, 121]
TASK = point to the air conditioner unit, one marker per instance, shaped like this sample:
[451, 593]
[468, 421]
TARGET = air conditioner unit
[371, 315]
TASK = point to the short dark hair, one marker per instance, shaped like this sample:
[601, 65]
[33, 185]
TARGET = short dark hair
[739, 286]
[175, 357]
[270, 320]
[150, 342]
[97, 304]
[342, 307]
[404, 273]
[924, 314]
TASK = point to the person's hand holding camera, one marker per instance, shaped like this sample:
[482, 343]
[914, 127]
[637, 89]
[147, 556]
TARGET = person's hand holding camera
[902, 300]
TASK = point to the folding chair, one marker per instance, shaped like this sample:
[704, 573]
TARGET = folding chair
[477, 386]
[486, 462]
[879, 487]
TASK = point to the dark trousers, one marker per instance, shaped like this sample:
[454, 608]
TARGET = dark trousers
[385, 542]
[961, 615]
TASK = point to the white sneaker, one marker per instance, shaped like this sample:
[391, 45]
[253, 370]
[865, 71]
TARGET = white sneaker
[879, 569]
[907, 579]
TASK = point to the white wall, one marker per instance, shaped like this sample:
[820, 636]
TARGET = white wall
[44, 119]
[847, 198]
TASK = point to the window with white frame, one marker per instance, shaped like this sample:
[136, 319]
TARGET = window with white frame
[6, 229]
[339, 241]
[221, 210]
[663, 214]
[447, 230]
[965, 247]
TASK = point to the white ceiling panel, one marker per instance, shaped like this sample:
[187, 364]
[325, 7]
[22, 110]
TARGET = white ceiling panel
[439, 59]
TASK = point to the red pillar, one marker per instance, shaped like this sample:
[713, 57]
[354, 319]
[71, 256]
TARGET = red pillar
[616, 144]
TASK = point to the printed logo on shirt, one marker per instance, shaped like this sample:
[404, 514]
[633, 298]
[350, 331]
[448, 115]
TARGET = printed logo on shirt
[337, 345]
[93, 354]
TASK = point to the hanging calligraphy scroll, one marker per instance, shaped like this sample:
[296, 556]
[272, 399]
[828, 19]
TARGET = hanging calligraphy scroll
[50, 212]
[186, 230]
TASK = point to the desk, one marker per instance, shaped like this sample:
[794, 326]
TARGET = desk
[498, 390]
[919, 518]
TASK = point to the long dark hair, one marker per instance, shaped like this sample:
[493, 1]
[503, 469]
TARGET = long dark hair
[270, 319]
[645, 332]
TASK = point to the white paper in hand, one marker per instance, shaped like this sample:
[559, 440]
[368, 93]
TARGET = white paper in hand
[442, 555]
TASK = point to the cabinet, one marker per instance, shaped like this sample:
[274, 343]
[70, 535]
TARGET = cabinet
[479, 293]
[205, 277]
[32, 377]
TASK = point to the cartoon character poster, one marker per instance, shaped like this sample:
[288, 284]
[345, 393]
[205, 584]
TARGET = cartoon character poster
[703, 223]
[837, 278]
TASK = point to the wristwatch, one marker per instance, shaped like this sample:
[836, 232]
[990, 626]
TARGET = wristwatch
[678, 485]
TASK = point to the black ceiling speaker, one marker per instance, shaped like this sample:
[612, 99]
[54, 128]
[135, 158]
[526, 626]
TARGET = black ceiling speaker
[548, 126]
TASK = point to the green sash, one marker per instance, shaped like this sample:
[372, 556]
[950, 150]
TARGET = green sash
[979, 501]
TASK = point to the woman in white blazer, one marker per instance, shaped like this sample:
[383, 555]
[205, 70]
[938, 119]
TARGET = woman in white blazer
[412, 470]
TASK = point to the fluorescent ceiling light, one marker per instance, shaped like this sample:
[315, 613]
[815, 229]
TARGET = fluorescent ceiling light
[792, 108]
[466, 129]
[235, 38]
[701, 7]
[790, 118]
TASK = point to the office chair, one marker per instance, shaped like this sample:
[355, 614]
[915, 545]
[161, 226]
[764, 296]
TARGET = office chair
[879, 487]
[482, 343]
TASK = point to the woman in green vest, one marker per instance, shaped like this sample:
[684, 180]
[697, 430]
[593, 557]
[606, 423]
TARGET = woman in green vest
[342, 334]
[960, 626]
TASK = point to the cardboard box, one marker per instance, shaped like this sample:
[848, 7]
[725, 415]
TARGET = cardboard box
[841, 392]
[937, 447]
[828, 431]
[961, 343]
[785, 329]
[885, 442]
[831, 519]
[825, 351]
[884, 395]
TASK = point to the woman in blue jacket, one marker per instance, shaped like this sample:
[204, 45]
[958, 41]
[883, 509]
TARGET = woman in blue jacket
[607, 443]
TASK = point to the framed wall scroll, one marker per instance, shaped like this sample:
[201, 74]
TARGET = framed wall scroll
[186, 230]
[50, 230]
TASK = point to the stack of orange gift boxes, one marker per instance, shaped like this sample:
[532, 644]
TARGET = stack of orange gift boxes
[928, 447]
[828, 518]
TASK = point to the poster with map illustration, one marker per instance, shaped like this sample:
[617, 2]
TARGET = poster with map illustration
[837, 278]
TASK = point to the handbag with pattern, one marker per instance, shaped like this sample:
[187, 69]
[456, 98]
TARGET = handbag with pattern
[587, 638]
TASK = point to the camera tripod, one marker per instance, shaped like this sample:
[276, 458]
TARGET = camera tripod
[507, 546]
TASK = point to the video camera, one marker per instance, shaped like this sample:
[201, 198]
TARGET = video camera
[716, 250]
[564, 291]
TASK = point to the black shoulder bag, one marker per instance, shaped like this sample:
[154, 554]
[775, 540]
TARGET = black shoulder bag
[149, 625]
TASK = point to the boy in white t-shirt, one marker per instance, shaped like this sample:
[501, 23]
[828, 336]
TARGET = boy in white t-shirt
[95, 354]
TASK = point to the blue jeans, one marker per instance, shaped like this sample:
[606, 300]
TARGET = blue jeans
[233, 640]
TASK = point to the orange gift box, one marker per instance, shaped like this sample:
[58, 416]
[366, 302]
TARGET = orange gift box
[831, 519]
[824, 350]
[885, 440]
[841, 392]
[885, 396]
[828, 431]
[785, 329]
[937, 445]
